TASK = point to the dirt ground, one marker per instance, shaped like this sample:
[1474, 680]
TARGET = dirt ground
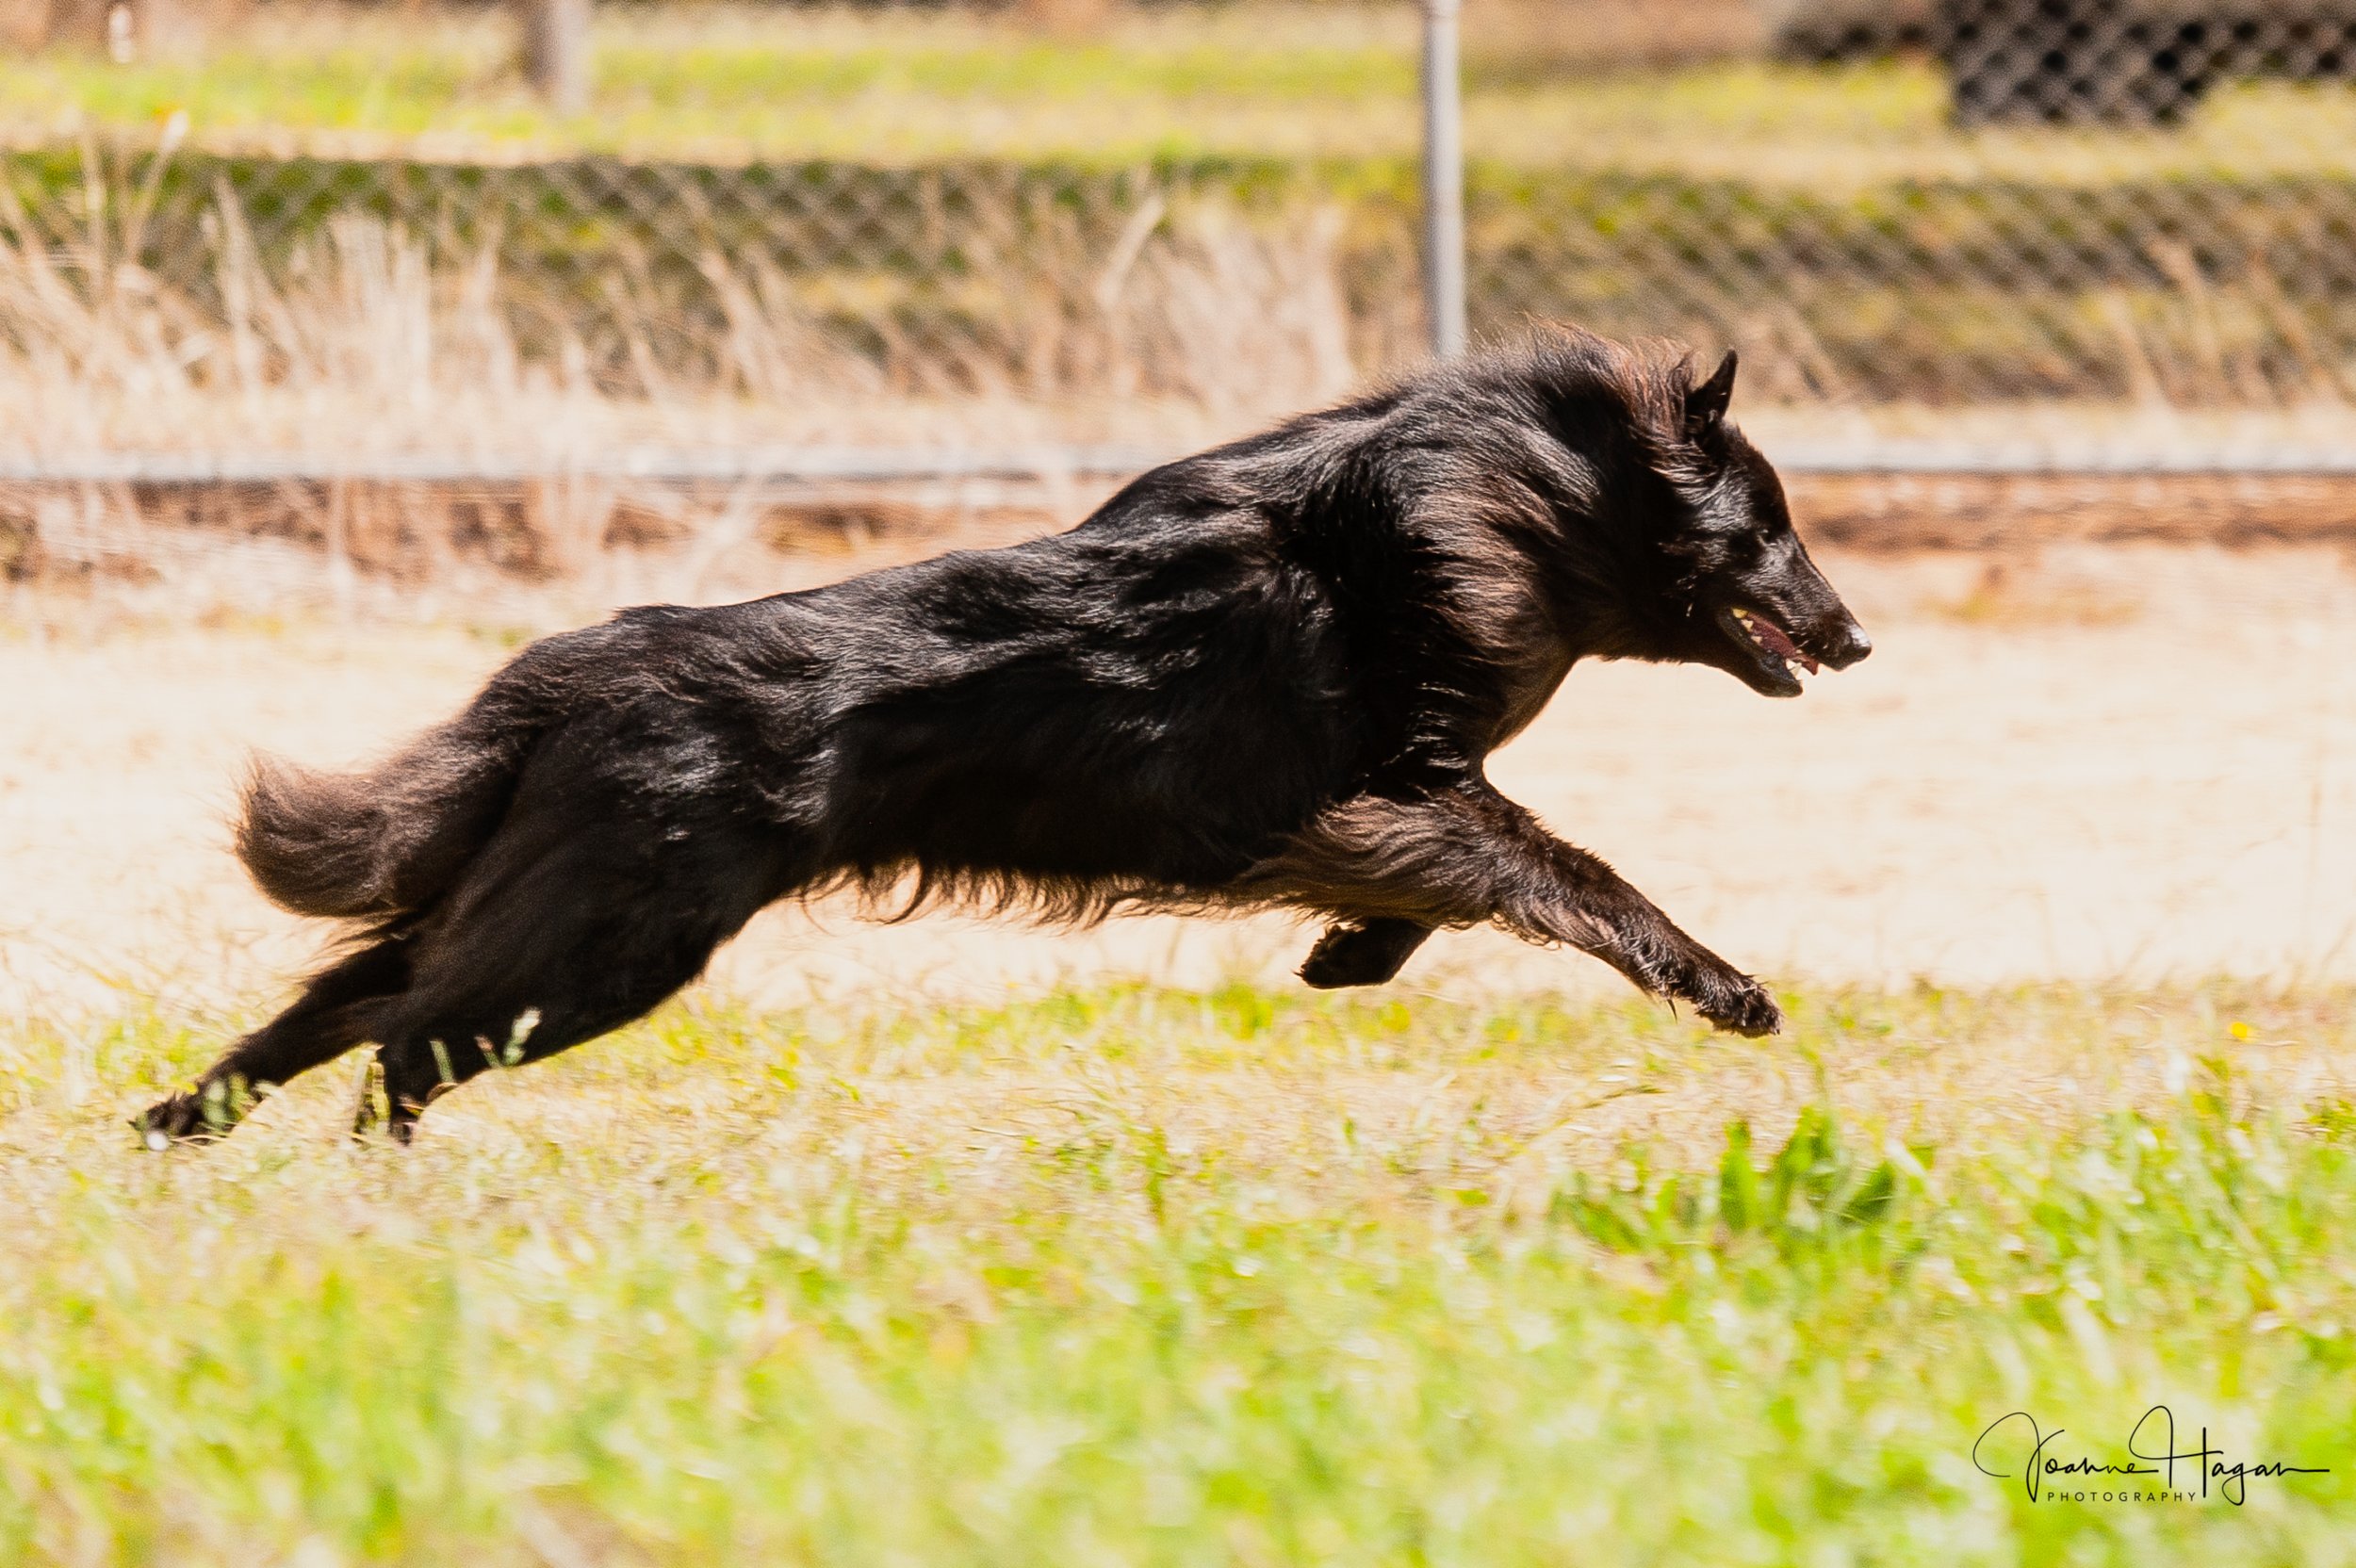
[2105, 762]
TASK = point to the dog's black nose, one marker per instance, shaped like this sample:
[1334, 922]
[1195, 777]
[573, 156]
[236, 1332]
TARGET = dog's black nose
[1852, 645]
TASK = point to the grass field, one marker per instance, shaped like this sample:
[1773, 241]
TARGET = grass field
[1144, 1276]
[1262, 81]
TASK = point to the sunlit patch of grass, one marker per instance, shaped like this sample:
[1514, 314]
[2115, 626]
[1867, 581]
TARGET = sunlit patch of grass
[1146, 1276]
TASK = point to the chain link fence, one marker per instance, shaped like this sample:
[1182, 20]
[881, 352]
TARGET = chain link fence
[2131, 202]
[2151, 200]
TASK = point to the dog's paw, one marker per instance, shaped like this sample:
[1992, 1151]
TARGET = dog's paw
[1367, 954]
[1739, 1005]
[181, 1119]
[202, 1115]
[1342, 958]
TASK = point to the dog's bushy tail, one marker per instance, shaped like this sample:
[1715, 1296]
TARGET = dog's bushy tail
[382, 843]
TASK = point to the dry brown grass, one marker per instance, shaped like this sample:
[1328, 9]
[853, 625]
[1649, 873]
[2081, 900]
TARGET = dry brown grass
[364, 348]
[365, 343]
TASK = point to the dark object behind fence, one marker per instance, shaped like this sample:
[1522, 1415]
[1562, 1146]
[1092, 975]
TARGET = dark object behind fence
[2062, 62]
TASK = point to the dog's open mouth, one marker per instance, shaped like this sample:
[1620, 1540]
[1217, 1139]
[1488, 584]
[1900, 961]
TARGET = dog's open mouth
[1770, 645]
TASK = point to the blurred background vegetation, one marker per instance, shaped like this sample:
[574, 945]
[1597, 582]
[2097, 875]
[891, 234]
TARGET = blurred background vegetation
[230, 226]
[1708, 86]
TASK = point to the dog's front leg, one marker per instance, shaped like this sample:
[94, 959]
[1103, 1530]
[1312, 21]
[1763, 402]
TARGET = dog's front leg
[1465, 855]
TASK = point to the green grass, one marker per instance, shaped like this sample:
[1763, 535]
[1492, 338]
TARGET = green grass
[1134, 1276]
[1300, 83]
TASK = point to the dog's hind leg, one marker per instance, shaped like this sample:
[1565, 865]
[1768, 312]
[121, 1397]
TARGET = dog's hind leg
[334, 1013]
[573, 943]
[1363, 953]
[451, 1042]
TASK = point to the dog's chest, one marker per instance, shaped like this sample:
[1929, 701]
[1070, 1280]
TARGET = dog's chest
[1530, 682]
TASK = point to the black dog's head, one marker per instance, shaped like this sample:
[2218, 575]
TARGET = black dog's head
[1734, 587]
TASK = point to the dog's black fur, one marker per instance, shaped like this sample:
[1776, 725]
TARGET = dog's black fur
[1266, 676]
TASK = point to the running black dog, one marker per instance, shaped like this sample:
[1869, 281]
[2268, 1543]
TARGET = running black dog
[1266, 676]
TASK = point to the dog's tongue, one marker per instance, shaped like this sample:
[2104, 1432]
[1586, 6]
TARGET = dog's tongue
[1772, 638]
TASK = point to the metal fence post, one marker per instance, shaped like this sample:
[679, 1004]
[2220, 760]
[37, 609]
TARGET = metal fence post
[1443, 182]
[556, 52]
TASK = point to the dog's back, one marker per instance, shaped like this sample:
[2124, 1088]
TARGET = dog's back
[1054, 722]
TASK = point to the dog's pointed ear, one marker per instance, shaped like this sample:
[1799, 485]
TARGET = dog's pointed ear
[1706, 405]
